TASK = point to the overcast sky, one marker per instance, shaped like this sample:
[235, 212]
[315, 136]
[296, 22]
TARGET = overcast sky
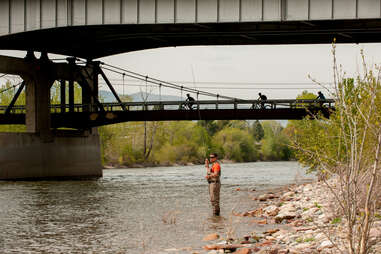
[273, 70]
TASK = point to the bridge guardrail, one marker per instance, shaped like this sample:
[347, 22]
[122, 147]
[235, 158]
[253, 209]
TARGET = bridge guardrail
[182, 105]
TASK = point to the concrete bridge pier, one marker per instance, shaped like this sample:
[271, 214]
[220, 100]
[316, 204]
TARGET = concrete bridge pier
[41, 152]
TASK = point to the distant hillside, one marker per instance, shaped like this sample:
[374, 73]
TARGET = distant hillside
[107, 96]
[155, 97]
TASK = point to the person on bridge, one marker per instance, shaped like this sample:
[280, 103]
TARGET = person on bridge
[213, 176]
[189, 101]
[320, 97]
[262, 98]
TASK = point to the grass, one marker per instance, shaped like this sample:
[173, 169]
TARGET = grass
[336, 220]
[305, 240]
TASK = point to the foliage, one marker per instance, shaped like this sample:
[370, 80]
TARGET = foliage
[257, 131]
[236, 144]
[348, 146]
[275, 144]
[5, 99]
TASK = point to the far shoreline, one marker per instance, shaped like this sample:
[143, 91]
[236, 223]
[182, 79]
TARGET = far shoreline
[152, 165]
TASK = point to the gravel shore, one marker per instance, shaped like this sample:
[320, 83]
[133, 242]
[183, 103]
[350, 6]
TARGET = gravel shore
[301, 219]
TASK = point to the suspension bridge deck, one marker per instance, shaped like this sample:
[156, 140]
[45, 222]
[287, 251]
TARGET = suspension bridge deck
[83, 116]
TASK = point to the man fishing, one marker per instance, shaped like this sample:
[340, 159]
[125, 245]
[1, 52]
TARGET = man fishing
[213, 175]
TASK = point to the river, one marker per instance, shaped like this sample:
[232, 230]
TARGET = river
[145, 210]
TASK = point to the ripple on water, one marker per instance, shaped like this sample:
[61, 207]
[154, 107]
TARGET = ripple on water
[130, 210]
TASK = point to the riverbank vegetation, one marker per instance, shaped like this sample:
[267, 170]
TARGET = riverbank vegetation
[185, 142]
[347, 147]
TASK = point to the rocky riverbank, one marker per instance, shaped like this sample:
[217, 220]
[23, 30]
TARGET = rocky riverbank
[300, 219]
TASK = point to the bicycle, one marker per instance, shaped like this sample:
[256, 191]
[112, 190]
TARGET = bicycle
[260, 105]
[187, 106]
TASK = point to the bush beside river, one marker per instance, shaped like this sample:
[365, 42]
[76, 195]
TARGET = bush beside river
[170, 143]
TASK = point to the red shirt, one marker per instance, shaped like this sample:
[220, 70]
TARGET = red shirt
[216, 168]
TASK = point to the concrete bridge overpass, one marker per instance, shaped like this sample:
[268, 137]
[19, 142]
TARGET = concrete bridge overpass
[97, 28]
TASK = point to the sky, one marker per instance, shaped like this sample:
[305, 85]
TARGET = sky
[238, 71]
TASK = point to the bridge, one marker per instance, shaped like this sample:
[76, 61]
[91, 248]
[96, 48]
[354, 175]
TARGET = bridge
[88, 116]
[90, 29]
[95, 28]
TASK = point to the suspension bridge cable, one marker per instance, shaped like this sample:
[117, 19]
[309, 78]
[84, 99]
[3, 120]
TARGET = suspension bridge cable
[170, 85]
[158, 81]
[240, 88]
[224, 83]
[11, 87]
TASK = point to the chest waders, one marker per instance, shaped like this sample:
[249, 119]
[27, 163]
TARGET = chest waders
[214, 192]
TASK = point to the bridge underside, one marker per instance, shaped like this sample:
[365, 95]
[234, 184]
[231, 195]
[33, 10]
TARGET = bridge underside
[96, 41]
[83, 120]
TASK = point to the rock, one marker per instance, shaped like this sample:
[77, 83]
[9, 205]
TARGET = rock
[270, 238]
[271, 210]
[271, 231]
[288, 196]
[273, 251]
[284, 215]
[320, 237]
[263, 197]
[231, 247]
[243, 251]
[303, 246]
[211, 237]
[325, 244]
[310, 212]
[260, 222]
[297, 223]
[280, 233]
[271, 195]
[288, 207]
[216, 252]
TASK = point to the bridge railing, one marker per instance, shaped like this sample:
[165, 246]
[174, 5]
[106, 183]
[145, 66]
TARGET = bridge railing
[182, 105]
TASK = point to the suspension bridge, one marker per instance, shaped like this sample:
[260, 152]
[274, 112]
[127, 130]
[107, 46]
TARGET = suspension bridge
[221, 107]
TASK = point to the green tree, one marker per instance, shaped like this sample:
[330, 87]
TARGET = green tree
[257, 131]
[348, 146]
[275, 144]
[236, 145]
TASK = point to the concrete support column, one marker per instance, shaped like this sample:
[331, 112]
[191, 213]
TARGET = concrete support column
[90, 89]
[71, 96]
[37, 104]
[63, 96]
[71, 62]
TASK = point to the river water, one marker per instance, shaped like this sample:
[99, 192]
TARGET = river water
[150, 210]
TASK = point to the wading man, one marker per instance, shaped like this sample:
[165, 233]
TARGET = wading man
[213, 177]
